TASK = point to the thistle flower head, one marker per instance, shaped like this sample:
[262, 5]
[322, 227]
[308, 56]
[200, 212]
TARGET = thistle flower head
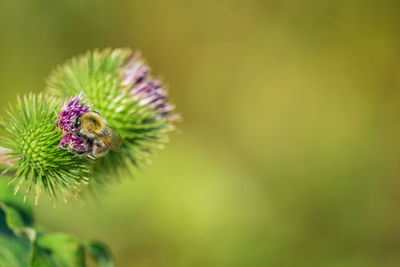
[66, 119]
[119, 85]
[32, 138]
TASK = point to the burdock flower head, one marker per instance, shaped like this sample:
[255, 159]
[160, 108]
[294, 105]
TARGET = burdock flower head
[42, 137]
[119, 86]
[32, 142]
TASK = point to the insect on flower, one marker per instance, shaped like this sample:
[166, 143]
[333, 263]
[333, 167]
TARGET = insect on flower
[86, 133]
[100, 137]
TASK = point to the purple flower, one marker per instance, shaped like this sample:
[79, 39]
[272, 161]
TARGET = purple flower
[145, 89]
[66, 122]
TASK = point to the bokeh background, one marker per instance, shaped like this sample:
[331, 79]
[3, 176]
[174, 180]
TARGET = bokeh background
[288, 153]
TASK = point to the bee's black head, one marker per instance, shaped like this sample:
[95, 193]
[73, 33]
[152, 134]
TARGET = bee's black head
[77, 121]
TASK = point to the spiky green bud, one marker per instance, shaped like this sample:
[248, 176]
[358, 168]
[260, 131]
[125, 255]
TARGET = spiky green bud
[29, 132]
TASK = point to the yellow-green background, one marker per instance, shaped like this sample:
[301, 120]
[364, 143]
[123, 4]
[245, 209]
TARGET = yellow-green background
[289, 150]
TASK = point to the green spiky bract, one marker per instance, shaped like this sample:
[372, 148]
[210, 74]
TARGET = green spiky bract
[30, 133]
[98, 75]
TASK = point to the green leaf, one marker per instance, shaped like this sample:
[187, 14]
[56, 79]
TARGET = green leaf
[16, 201]
[15, 222]
[64, 250]
[21, 245]
[41, 257]
[100, 253]
[13, 219]
[13, 252]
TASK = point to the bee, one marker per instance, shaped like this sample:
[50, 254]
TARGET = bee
[100, 138]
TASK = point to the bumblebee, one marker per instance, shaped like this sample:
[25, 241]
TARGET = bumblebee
[99, 136]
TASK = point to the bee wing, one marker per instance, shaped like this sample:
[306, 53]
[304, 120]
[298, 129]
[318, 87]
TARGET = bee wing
[111, 139]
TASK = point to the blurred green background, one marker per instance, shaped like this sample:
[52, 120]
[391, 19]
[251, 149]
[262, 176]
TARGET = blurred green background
[288, 152]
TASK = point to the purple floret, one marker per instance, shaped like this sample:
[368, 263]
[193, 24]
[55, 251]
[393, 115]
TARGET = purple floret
[145, 89]
[71, 142]
[66, 122]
